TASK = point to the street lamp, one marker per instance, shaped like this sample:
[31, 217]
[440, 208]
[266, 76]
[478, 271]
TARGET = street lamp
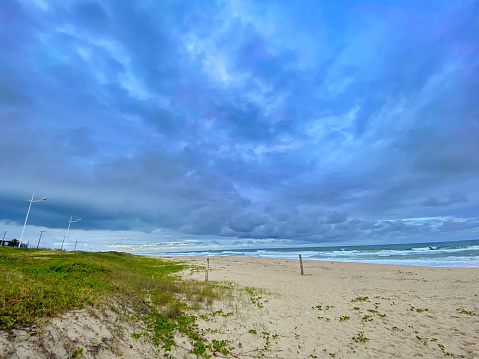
[28, 212]
[38, 244]
[68, 230]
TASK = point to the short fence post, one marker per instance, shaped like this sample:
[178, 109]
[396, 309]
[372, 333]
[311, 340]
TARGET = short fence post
[301, 264]
[207, 269]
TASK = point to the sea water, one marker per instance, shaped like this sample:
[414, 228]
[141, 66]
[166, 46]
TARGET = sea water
[434, 254]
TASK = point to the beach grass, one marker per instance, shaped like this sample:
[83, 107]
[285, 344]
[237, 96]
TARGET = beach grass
[39, 284]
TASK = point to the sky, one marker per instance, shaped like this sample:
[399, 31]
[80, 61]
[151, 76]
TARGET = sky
[172, 125]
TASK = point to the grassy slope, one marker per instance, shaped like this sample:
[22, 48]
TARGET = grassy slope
[40, 284]
[43, 283]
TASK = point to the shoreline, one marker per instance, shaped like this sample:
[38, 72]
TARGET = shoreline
[403, 311]
[204, 257]
[450, 254]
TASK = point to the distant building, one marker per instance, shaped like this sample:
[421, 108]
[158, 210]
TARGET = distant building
[9, 243]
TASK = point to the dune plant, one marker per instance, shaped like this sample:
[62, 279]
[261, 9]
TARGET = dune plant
[360, 299]
[360, 338]
[468, 312]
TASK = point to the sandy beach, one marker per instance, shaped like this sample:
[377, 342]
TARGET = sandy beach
[348, 310]
[267, 309]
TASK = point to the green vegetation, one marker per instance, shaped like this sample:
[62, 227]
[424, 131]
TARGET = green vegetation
[377, 313]
[40, 284]
[255, 299]
[77, 352]
[418, 310]
[360, 338]
[421, 340]
[324, 318]
[220, 313]
[444, 351]
[360, 299]
[320, 307]
[367, 318]
[43, 283]
[468, 312]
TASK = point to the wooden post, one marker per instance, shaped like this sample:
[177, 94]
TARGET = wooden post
[207, 269]
[301, 264]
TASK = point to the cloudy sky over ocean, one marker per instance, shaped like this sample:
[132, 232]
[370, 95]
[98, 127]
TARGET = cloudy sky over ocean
[240, 123]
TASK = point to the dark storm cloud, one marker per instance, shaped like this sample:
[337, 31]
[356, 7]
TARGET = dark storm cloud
[307, 121]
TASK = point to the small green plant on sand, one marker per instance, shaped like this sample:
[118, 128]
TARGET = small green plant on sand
[220, 346]
[255, 299]
[77, 352]
[267, 342]
[444, 351]
[468, 312]
[220, 313]
[360, 338]
[377, 313]
[320, 307]
[367, 318]
[137, 335]
[344, 318]
[421, 340]
[332, 355]
[360, 299]
[418, 310]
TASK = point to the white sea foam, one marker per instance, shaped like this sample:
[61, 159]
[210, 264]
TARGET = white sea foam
[446, 254]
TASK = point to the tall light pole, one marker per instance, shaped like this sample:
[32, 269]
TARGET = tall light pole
[68, 230]
[38, 244]
[28, 212]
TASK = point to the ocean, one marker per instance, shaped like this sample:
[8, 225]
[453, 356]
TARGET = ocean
[433, 254]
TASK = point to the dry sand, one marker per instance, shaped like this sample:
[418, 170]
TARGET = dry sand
[83, 334]
[403, 311]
